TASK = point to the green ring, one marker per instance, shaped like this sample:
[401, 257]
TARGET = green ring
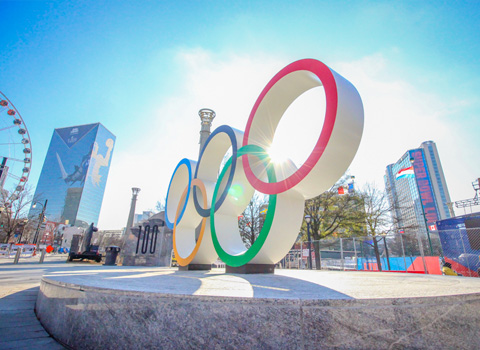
[250, 253]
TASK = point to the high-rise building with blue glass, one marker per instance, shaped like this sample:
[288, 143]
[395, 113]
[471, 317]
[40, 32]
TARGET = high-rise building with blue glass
[417, 188]
[74, 174]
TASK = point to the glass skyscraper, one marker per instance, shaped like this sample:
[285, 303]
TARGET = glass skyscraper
[74, 174]
[418, 192]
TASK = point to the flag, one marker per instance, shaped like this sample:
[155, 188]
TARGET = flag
[432, 227]
[351, 189]
[405, 173]
[341, 190]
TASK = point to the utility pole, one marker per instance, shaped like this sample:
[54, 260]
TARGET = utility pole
[36, 239]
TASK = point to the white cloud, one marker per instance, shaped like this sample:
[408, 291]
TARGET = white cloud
[228, 86]
[397, 117]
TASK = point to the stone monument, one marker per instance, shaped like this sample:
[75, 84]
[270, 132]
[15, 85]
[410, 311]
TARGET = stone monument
[149, 243]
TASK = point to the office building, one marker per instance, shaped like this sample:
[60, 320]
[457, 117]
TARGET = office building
[142, 217]
[74, 174]
[406, 183]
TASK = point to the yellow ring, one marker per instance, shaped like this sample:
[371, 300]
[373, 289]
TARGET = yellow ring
[185, 261]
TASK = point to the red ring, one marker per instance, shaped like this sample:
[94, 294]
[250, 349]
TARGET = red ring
[326, 77]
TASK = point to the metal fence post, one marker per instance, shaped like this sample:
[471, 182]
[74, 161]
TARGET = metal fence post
[364, 259]
[465, 251]
[403, 252]
[341, 254]
[17, 255]
[42, 256]
[319, 255]
[355, 250]
[420, 247]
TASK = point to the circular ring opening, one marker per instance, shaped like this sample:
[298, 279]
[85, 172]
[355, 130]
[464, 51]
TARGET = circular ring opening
[181, 206]
[216, 152]
[291, 82]
[247, 254]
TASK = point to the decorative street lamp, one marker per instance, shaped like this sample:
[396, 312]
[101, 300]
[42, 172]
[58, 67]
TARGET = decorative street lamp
[412, 160]
[40, 220]
[308, 219]
[21, 228]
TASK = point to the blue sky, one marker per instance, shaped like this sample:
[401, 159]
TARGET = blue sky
[145, 68]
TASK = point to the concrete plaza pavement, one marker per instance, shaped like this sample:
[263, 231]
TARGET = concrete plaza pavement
[19, 285]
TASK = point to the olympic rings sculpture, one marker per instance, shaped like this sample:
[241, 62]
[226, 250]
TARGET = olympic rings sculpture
[202, 206]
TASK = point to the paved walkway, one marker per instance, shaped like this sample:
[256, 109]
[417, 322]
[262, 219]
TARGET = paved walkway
[19, 327]
[19, 285]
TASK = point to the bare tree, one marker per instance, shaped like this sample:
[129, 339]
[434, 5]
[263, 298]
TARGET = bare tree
[160, 206]
[250, 223]
[382, 218]
[378, 218]
[13, 216]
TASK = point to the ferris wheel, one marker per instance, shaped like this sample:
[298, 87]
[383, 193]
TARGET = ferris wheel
[15, 152]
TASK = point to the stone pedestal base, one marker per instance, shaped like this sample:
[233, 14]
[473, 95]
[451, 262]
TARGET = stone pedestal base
[251, 268]
[163, 308]
[195, 267]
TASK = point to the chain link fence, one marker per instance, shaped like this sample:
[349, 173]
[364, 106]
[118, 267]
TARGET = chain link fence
[460, 240]
[451, 251]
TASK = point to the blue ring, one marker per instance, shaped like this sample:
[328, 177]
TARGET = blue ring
[231, 134]
[186, 162]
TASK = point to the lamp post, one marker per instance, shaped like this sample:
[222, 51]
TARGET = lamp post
[308, 219]
[21, 228]
[40, 220]
[412, 160]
